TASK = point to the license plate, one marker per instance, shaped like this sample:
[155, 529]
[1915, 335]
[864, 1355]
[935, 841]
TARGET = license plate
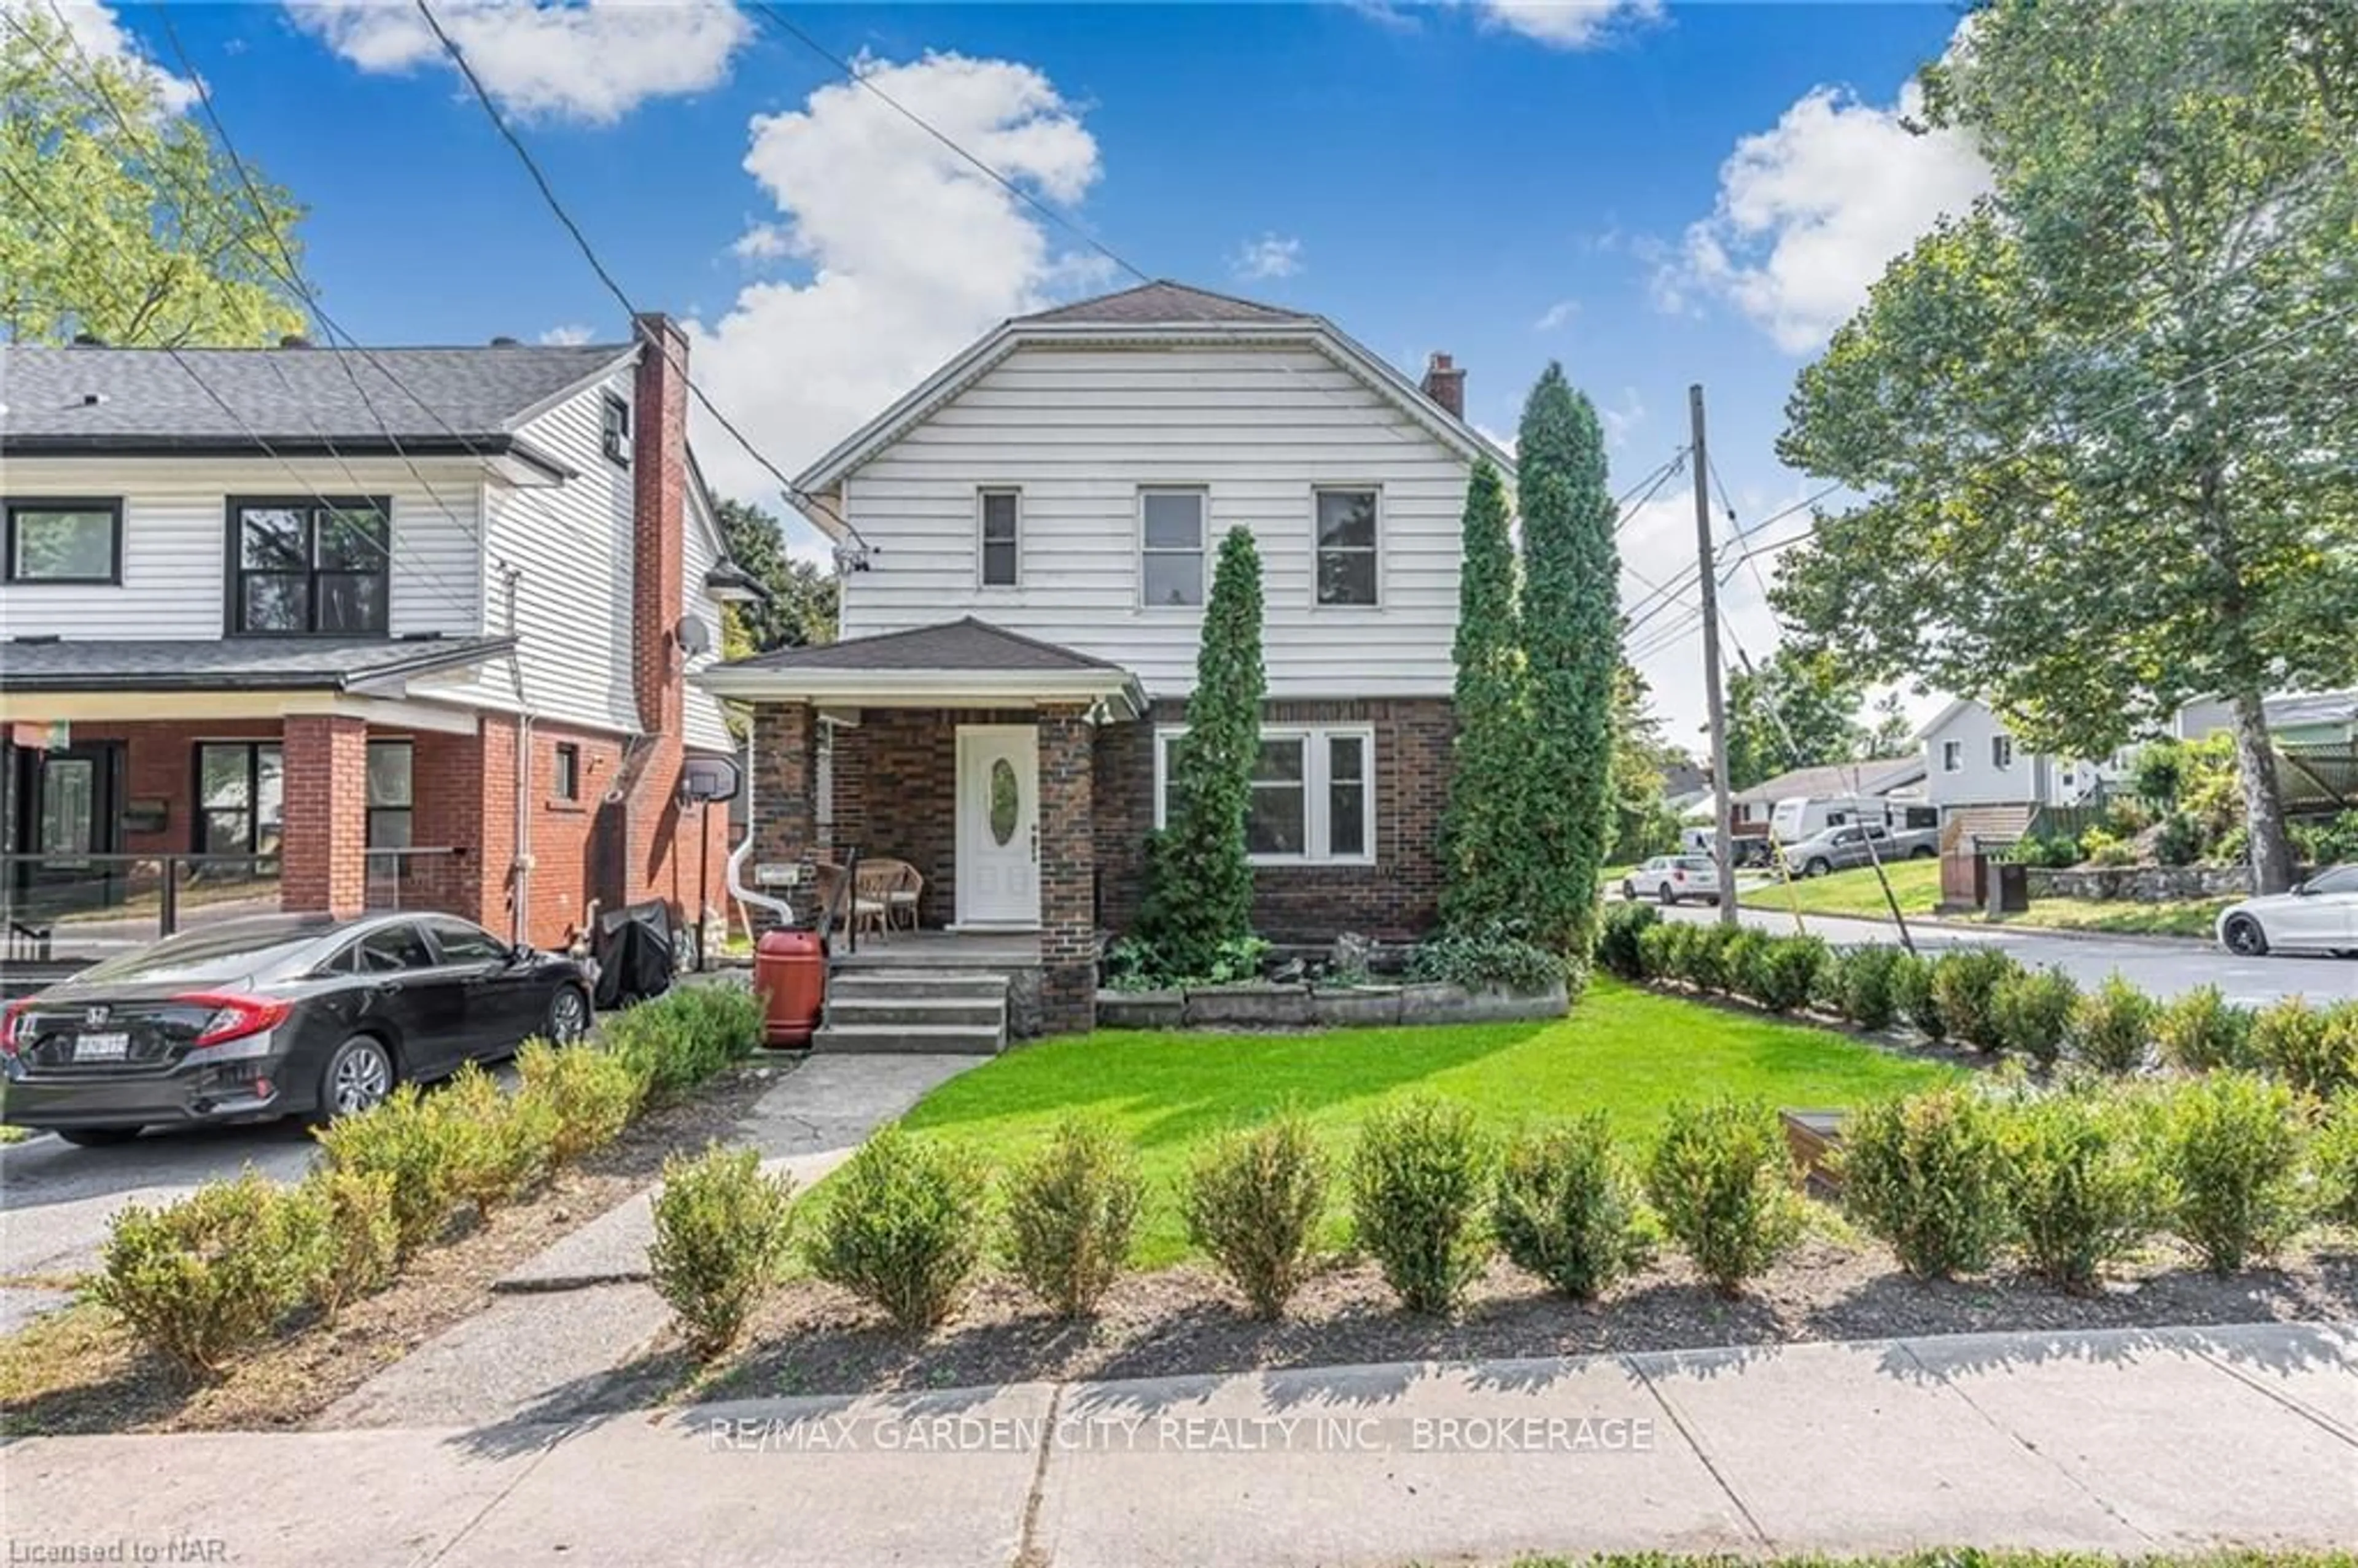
[102, 1047]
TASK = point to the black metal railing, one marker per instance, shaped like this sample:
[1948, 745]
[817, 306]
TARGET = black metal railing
[839, 890]
[420, 877]
[58, 906]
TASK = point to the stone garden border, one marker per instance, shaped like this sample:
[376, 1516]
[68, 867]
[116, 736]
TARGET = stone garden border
[1267, 1004]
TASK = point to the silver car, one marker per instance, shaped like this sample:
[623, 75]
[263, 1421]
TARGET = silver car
[1859, 843]
[1672, 879]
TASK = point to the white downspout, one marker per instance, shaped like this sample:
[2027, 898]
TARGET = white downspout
[737, 888]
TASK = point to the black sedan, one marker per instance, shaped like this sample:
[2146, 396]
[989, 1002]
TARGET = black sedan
[281, 1015]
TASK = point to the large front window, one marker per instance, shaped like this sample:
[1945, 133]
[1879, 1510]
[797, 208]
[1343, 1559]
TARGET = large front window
[1312, 793]
[241, 797]
[310, 567]
[64, 540]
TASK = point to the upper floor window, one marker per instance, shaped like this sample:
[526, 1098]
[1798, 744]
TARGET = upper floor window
[1170, 547]
[65, 541]
[1347, 546]
[1001, 541]
[314, 565]
[614, 437]
[567, 770]
[2001, 751]
[1953, 756]
[1312, 793]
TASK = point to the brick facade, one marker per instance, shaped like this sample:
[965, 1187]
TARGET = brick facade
[1396, 897]
[1068, 978]
[785, 760]
[323, 861]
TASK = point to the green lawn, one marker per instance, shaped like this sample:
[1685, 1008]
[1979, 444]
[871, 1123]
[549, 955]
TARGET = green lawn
[1627, 1051]
[1917, 885]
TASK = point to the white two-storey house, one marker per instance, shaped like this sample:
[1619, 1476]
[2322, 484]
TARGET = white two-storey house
[1031, 534]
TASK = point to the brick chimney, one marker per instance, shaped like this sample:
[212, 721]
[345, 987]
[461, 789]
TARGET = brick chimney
[659, 513]
[1446, 383]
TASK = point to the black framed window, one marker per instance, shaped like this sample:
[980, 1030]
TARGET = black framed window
[64, 540]
[241, 797]
[308, 567]
[391, 805]
[615, 434]
[567, 772]
[1001, 546]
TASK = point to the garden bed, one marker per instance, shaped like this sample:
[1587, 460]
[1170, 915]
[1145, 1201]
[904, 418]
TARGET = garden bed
[80, 1370]
[1268, 1004]
[815, 1339]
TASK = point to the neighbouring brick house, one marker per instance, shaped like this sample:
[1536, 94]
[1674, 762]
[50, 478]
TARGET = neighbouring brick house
[321, 630]
[1030, 534]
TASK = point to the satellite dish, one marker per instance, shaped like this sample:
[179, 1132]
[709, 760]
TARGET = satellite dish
[693, 637]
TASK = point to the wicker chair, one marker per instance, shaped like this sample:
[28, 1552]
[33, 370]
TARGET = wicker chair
[902, 894]
[873, 884]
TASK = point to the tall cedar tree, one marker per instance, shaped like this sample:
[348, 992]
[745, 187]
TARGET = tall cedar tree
[1482, 828]
[1199, 882]
[1572, 642]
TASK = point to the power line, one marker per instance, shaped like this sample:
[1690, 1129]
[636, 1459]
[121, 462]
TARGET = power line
[589, 254]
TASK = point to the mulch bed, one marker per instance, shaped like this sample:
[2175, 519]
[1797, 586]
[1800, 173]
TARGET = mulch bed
[815, 1339]
[78, 1370]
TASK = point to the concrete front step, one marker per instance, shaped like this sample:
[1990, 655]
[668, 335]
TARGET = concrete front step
[917, 982]
[979, 1012]
[920, 1039]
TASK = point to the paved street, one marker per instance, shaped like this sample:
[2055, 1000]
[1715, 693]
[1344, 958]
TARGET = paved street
[2119, 1442]
[2161, 967]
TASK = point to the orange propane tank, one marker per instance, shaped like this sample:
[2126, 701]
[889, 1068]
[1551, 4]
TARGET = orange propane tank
[790, 973]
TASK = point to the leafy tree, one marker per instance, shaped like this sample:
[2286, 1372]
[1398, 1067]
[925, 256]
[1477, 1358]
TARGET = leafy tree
[801, 610]
[1572, 644]
[1481, 828]
[1643, 822]
[1797, 708]
[118, 217]
[1198, 893]
[2104, 423]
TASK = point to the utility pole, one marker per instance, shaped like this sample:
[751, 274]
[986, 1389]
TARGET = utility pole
[1723, 847]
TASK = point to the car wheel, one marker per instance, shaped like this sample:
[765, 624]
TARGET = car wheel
[1923, 853]
[356, 1079]
[568, 1015]
[97, 1136]
[2243, 937]
[1629, 892]
[1669, 900]
[1816, 868]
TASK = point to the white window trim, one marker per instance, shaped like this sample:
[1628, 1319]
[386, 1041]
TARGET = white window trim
[1338, 488]
[1204, 545]
[1314, 782]
[981, 511]
[1953, 756]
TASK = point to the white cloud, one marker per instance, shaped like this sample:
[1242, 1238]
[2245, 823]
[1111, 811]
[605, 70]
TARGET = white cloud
[1811, 210]
[1571, 24]
[590, 60]
[1621, 417]
[762, 243]
[97, 34]
[1271, 255]
[570, 335]
[911, 253]
[1556, 315]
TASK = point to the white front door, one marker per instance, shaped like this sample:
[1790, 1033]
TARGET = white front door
[997, 824]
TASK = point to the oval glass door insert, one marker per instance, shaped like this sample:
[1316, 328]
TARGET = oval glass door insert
[1004, 806]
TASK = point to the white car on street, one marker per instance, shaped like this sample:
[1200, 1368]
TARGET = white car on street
[1672, 879]
[2320, 913]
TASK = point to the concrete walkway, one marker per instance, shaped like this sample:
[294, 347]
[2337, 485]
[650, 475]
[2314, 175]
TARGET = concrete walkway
[568, 1326]
[2122, 1441]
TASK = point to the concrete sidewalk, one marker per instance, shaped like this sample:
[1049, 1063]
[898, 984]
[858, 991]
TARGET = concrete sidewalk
[2128, 1441]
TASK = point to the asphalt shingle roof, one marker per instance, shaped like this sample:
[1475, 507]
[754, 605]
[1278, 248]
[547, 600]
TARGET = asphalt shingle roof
[966, 645]
[1873, 777]
[230, 664]
[100, 398]
[1163, 303]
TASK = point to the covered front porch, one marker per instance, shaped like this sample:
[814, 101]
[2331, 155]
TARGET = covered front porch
[965, 754]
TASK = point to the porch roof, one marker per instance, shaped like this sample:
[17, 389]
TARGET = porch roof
[52, 665]
[963, 663]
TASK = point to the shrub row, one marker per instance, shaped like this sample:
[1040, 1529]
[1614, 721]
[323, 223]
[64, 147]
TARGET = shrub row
[2226, 1162]
[217, 1272]
[1981, 997]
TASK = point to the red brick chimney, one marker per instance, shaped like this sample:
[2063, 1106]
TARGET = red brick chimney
[659, 481]
[1446, 383]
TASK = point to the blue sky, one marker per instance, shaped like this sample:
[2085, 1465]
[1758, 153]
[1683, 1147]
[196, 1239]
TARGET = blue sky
[1654, 196]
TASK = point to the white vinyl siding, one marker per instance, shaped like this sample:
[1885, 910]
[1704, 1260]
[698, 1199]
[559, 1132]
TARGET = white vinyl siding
[1258, 429]
[703, 726]
[175, 542]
